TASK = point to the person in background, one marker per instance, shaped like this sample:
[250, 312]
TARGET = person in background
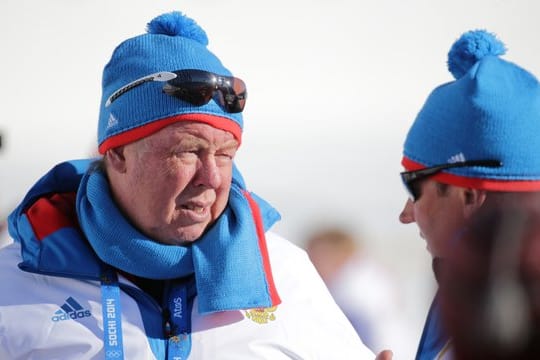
[362, 287]
[489, 298]
[158, 250]
[473, 138]
[4, 238]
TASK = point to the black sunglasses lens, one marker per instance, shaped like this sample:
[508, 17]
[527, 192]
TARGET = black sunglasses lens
[413, 189]
[184, 77]
[231, 95]
[193, 86]
[197, 87]
[197, 94]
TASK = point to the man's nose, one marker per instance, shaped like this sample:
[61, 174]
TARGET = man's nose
[407, 214]
[208, 173]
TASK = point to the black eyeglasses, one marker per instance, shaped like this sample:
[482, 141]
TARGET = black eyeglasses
[410, 178]
[196, 87]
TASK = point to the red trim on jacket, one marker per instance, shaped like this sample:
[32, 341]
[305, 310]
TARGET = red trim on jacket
[263, 248]
[51, 213]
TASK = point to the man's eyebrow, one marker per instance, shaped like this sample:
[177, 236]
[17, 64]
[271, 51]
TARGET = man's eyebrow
[190, 140]
[231, 143]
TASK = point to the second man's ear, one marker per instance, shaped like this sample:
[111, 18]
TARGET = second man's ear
[474, 199]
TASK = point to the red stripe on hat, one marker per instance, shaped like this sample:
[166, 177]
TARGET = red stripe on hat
[476, 183]
[140, 132]
[52, 213]
[264, 250]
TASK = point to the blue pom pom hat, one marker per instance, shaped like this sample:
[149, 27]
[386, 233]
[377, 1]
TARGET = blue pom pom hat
[173, 42]
[491, 111]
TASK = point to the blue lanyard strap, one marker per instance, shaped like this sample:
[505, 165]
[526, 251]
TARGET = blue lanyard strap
[178, 326]
[433, 339]
[112, 315]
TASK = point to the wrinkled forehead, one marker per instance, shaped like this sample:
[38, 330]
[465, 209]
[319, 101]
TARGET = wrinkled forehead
[192, 133]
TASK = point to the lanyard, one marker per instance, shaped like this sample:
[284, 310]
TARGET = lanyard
[178, 324]
[433, 340]
[112, 315]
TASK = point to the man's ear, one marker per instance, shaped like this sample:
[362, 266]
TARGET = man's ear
[116, 160]
[474, 198]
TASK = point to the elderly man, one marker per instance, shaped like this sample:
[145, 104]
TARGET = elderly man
[157, 250]
[473, 137]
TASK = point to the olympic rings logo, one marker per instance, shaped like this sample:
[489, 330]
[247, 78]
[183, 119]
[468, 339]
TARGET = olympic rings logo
[113, 354]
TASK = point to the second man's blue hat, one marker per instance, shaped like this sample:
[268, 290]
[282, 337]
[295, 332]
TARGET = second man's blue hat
[490, 112]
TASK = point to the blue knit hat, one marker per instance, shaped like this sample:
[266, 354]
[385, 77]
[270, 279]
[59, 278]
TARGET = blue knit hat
[172, 42]
[491, 111]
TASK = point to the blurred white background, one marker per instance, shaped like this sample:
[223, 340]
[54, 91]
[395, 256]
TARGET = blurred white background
[333, 87]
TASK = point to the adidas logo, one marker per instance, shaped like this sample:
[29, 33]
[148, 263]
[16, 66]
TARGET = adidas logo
[70, 310]
[113, 121]
[456, 158]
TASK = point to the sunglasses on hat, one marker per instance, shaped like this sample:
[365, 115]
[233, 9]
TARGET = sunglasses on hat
[411, 178]
[196, 87]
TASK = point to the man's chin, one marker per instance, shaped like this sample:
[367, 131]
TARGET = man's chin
[186, 236]
[180, 235]
[181, 238]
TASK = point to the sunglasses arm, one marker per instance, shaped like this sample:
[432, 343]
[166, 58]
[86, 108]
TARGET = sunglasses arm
[161, 76]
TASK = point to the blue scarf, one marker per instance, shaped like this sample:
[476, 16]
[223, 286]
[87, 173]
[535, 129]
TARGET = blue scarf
[230, 261]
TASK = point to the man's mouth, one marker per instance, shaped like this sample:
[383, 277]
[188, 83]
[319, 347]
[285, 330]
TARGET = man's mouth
[195, 208]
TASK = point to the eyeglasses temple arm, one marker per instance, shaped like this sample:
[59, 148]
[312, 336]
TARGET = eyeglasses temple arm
[160, 76]
[435, 169]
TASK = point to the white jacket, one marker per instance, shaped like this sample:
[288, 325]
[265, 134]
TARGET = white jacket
[306, 325]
